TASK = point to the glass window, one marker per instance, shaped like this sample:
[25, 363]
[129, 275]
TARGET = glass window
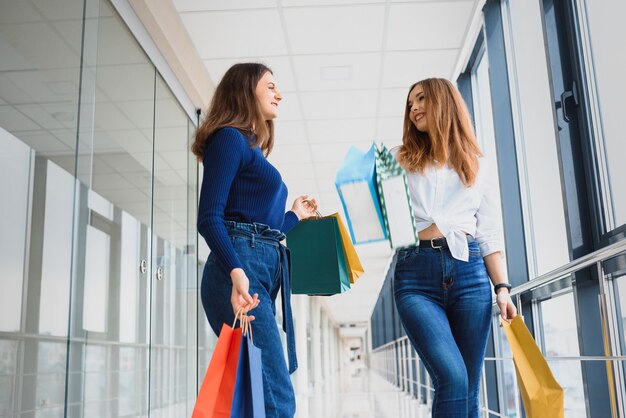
[15, 181]
[96, 290]
[536, 142]
[483, 113]
[606, 35]
[560, 339]
[56, 259]
[508, 391]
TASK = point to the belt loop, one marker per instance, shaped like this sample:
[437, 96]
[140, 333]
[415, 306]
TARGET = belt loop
[252, 240]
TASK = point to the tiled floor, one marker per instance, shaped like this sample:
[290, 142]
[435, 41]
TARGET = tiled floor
[360, 394]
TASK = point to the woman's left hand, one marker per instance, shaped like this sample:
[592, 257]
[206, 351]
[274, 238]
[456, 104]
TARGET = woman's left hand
[508, 311]
[304, 207]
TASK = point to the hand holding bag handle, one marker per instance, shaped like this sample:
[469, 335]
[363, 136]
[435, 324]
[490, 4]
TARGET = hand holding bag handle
[248, 398]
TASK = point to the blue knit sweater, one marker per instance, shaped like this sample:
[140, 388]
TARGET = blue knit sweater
[240, 185]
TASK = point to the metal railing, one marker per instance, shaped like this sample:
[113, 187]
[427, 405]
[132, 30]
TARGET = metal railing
[399, 364]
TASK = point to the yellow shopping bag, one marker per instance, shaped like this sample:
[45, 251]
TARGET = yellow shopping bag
[541, 394]
[355, 269]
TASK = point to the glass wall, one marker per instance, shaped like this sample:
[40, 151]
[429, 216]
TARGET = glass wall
[606, 58]
[98, 260]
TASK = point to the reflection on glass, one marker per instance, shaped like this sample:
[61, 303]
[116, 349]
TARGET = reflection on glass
[560, 339]
[507, 378]
[485, 133]
[56, 260]
[620, 290]
[170, 245]
[15, 172]
[129, 278]
[97, 262]
[50, 377]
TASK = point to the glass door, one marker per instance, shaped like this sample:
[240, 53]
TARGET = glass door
[108, 354]
[173, 278]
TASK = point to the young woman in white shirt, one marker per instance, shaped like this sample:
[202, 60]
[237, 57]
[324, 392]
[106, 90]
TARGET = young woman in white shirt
[441, 286]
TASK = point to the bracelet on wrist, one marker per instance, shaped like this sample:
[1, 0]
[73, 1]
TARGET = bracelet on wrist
[500, 286]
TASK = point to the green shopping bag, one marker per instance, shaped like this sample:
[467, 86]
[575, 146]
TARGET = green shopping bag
[318, 262]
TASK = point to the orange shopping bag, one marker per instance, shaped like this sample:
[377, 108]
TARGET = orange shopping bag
[216, 393]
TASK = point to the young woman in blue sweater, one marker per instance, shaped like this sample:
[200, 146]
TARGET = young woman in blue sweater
[242, 217]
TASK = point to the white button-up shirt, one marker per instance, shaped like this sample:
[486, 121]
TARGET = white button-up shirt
[438, 196]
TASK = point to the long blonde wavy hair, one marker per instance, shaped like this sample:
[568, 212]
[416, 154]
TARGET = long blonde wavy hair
[450, 140]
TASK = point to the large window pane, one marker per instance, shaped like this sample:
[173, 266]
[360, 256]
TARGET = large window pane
[15, 180]
[535, 131]
[170, 254]
[606, 34]
[560, 339]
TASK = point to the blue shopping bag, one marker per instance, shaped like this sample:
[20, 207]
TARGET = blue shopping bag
[357, 188]
[248, 399]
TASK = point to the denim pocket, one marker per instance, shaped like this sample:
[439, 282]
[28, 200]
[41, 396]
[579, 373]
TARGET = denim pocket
[404, 254]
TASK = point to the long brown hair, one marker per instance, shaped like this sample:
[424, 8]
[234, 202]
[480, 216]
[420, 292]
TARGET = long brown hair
[451, 137]
[234, 104]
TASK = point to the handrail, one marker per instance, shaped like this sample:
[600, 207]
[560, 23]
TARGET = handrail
[575, 265]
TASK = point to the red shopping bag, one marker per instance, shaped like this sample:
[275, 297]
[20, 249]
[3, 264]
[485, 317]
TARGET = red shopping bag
[216, 393]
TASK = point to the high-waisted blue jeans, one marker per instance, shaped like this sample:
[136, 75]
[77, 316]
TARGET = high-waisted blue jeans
[445, 307]
[259, 250]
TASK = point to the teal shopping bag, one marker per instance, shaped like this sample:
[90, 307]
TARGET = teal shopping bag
[318, 262]
[357, 188]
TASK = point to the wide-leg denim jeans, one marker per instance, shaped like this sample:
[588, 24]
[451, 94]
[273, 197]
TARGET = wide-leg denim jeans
[445, 307]
[259, 252]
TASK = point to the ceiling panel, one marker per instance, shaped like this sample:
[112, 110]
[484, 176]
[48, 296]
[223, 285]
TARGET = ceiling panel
[290, 153]
[206, 5]
[338, 71]
[280, 66]
[13, 121]
[244, 33]
[292, 3]
[335, 29]
[38, 39]
[295, 171]
[45, 142]
[342, 130]
[289, 109]
[390, 130]
[289, 132]
[393, 102]
[432, 25]
[402, 69]
[19, 12]
[339, 104]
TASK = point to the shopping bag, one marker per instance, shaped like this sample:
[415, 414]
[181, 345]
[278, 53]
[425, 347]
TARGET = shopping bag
[318, 262]
[356, 185]
[395, 202]
[355, 268]
[216, 393]
[541, 394]
[248, 398]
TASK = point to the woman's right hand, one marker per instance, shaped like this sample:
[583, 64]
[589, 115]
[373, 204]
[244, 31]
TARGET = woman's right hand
[240, 297]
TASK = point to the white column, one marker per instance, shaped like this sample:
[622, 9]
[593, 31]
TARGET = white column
[300, 305]
[317, 346]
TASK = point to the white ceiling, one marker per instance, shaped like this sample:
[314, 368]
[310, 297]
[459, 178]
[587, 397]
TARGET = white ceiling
[343, 67]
